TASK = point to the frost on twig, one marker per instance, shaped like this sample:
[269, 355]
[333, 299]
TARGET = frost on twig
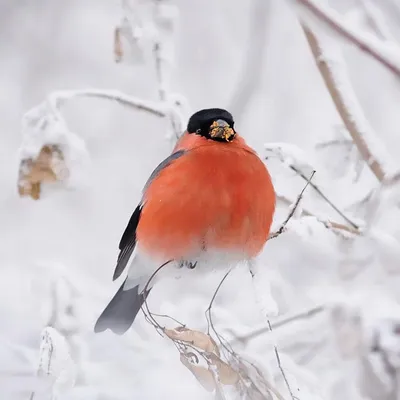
[331, 65]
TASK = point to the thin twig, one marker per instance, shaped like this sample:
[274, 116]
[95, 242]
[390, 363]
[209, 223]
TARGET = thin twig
[146, 311]
[319, 191]
[208, 311]
[224, 343]
[278, 359]
[287, 160]
[335, 142]
[339, 25]
[303, 315]
[335, 226]
[169, 317]
[292, 211]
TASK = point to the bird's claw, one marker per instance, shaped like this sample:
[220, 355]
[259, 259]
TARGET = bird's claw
[188, 264]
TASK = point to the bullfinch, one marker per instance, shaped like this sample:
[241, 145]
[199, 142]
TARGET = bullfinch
[212, 196]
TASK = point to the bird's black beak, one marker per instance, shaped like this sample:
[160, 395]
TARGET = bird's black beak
[221, 130]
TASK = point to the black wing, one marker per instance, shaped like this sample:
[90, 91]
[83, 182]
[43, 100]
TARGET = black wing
[127, 243]
[128, 240]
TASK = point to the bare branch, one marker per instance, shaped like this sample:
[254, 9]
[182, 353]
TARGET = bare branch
[278, 359]
[213, 298]
[210, 323]
[145, 308]
[302, 315]
[168, 317]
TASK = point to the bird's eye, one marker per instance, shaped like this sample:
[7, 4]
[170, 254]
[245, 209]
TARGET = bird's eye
[198, 130]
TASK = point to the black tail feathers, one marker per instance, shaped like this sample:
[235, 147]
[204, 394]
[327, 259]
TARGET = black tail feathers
[121, 311]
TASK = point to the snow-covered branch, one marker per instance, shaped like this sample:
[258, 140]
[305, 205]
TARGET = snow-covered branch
[49, 146]
[211, 359]
[295, 159]
[149, 26]
[55, 368]
[380, 51]
[331, 65]
[336, 227]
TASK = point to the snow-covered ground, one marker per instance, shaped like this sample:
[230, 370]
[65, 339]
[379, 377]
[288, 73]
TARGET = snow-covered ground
[57, 254]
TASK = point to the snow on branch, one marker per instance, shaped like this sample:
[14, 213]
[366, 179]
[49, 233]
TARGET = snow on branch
[332, 67]
[61, 347]
[211, 359]
[292, 211]
[50, 152]
[151, 25]
[336, 227]
[295, 159]
[383, 52]
[56, 367]
[49, 148]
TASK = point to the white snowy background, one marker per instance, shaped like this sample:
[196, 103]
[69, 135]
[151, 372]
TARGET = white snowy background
[57, 253]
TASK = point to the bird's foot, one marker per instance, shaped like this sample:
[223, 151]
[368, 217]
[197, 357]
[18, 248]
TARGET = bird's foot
[188, 264]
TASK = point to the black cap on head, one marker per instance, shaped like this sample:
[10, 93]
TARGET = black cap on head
[203, 121]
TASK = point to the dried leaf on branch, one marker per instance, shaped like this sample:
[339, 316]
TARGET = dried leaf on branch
[195, 338]
[48, 167]
[226, 374]
[202, 374]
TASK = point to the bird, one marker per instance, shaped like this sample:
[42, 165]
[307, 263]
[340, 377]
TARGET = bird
[211, 197]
